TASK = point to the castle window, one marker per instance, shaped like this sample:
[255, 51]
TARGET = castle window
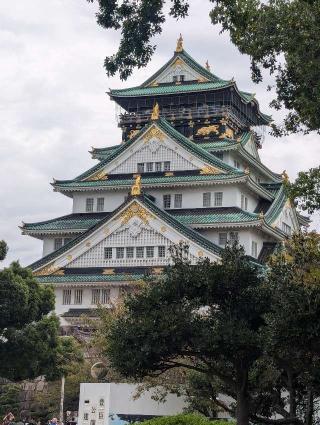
[95, 296]
[66, 297]
[57, 243]
[207, 199]
[100, 415]
[149, 167]
[105, 299]
[182, 78]
[175, 78]
[140, 168]
[120, 252]
[86, 416]
[78, 296]
[233, 237]
[218, 199]
[244, 202]
[178, 200]
[101, 402]
[130, 251]
[161, 251]
[166, 201]
[254, 249]
[166, 166]
[108, 253]
[150, 251]
[140, 251]
[100, 204]
[89, 204]
[158, 166]
[223, 237]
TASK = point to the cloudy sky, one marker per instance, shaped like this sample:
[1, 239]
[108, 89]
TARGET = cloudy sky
[53, 105]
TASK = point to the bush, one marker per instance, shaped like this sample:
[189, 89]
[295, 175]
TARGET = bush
[189, 419]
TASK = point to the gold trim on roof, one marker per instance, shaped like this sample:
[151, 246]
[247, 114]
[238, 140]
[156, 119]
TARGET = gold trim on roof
[206, 131]
[228, 134]
[209, 170]
[132, 133]
[285, 176]
[108, 271]
[47, 270]
[101, 175]
[155, 112]
[136, 187]
[179, 47]
[153, 132]
[135, 210]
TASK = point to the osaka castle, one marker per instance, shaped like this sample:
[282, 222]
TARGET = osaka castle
[186, 169]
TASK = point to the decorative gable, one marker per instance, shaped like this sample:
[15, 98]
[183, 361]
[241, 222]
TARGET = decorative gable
[287, 219]
[251, 147]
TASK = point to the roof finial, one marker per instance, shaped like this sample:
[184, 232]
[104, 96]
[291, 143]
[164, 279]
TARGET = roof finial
[285, 176]
[207, 66]
[136, 187]
[179, 47]
[155, 112]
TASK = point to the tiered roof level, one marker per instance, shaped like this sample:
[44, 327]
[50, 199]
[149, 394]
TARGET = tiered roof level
[187, 169]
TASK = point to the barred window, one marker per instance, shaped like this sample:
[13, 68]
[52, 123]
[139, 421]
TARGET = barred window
[100, 204]
[100, 415]
[86, 416]
[150, 251]
[89, 204]
[66, 297]
[207, 199]
[78, 296]
[218, 199]
[166, 166]
[108, 253]
[120, 252]
[254, 249]
[158, 166]
[166, 201]
[223, 237]
[105, 298]
[130, 251]
[140, 168]
[233, 237]
[149, 167]
[178, 200]
[58, 243]
[95, 296]
[161, 251]
[140, 251]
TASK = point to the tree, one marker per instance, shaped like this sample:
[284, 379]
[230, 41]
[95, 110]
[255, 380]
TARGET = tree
[29, 338]
[306, 190]
[3, 250]
[206, 318]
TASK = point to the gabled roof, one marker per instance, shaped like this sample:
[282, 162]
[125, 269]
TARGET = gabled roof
[189, 233]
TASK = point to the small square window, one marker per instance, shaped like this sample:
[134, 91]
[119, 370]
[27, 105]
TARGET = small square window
[149, 167]
[161, 251]
[218, 199]
[100, 204]
[57, 243]
[130, 251]
[86, 416]
[223, 238]
[89, 204]
[166, 165]
[150, 251]
[158, 166]
[101, 415]
[140, 167]
[140, 251]
[207, 199]
[166, 201]
[178, 200]
[108, 253]
[120, 252]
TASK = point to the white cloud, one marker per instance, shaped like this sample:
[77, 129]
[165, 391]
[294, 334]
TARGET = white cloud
[53, 105]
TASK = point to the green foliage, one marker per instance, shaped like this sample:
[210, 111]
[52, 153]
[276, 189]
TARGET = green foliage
[3, 250]
[188, 419]
[9, 399]
[306, 190]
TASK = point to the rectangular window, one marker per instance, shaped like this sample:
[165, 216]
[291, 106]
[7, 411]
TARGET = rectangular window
[95, 296]
[254, 249]
[100, 204]
[149, 167]
[89, 204]
[107, 253]
[207, 199]
[233, 237]
[223, 237]
[182, 78]
[166, 166]
[286, 229]
[161, 251]
[78, 296]
[66, 297]
[105, 296]
[140, 168]
[218, 199]
[66, 240]
[175, 78]
[100, 415]
[140, 251]
[158, 166]
[166, 201]
[120, 252]
[150, 251]
[130, 251]
[86, 416]
[57, 243]
[178, 200]
[244, 202]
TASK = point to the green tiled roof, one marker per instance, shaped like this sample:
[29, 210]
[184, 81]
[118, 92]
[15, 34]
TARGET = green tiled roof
[276, 206]
[85, 278]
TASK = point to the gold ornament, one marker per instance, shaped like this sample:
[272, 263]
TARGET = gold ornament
[209, 170]
[133, 133]
[163, 229]
[285, 176]
[101, 175]
[228, 134]
[247, 170]
[135, 210]
[261, 214]
[179, 47]
[157, 270]
[207, 66]
[136, 187]
[200, 253]
[108, 271]
[206, 131]
[169, 174]
[46, 271]
[153, 132]
[177, 62]
[155, 112]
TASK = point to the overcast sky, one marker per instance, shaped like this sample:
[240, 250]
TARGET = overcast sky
[53, 105]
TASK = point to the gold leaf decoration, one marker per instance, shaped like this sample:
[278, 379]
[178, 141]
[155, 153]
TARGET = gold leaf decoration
[209, 170]
[136, 187]
[47, 270]
[157, 270]
[102, 175]
[155, 112]
[206, 131]
[108, 271]
[179, 47]
[228, 134]
[135, 210]
[153, 132]
[133, 133]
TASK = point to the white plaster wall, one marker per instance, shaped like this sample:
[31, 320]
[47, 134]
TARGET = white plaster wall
[48, 246]
[112, 200]
[60, 308]
[89, 402]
